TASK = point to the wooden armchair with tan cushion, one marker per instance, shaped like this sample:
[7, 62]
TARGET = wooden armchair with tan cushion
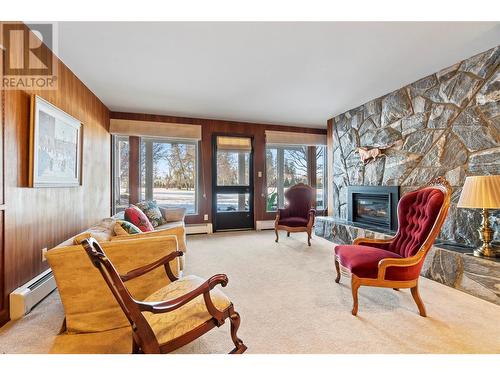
[94, 321]
[175, 314]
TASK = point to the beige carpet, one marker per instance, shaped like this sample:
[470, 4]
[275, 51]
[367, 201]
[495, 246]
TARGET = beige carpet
[289, 303]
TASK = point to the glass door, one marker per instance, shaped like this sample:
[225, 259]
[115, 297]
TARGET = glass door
[232, 183]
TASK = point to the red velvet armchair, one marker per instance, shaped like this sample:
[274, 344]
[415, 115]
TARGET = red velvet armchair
[396, 262]
[298, 216]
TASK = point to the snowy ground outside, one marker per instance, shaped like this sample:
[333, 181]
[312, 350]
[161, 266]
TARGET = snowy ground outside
[186, 198]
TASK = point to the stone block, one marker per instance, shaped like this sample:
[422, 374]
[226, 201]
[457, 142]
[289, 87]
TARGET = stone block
[395, 106]
[490, 92]
[374, 172]
[372, 108]
[422, 85]
[440, 116]
[485, 162]
[459, 89]
[420, 104]
[482, 64]
[447, 152]
[398, 165]
[413, 123]
[381, 138]
[367, 125]
[420, 142]
[447, 73]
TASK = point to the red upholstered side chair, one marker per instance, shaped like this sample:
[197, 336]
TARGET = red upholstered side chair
[396, 262]
[298, 215]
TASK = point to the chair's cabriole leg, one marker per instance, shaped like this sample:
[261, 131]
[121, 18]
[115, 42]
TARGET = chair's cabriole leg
[277, 236]
[355, 284]
[288, 234]
[396, 289]
[418, 301]
[135, 347]
[309, 237]
[337, 268]
[234, 318]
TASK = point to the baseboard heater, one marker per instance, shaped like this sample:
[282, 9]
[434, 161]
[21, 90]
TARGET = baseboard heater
[24, 298]
[199, 228]
[264, 224]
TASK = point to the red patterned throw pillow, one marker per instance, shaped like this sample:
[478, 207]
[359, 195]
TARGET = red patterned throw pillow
[134, 215]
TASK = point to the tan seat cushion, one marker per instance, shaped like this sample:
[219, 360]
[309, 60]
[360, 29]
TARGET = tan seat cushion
[171, 325]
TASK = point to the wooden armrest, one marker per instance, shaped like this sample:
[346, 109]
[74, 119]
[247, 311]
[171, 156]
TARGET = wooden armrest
[383, 264]
[360, 240]
[165, 261]
[175, 303]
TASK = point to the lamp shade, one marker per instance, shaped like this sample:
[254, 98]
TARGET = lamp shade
[480, 192]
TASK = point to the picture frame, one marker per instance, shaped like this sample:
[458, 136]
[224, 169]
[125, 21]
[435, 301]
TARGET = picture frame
[55, 146]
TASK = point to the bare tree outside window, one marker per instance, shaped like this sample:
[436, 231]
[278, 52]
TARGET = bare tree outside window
[168, 173]
[121, 173]
[287, 166]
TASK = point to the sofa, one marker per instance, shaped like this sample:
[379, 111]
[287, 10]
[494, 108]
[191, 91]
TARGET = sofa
[94, 322]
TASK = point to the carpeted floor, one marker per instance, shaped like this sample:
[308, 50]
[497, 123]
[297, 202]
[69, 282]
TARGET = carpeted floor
[289, 303]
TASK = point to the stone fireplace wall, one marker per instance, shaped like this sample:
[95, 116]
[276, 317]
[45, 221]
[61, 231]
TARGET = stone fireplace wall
[446, 124]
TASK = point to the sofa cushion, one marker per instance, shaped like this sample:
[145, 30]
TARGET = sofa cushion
[123, 228]
[174, 324]
[152, 212]
[171, 214]
[173, 224]
[135, 216]
[101, 232]
[293, 221]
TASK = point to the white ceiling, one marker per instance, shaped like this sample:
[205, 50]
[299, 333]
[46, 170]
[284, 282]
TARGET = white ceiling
[285, 73]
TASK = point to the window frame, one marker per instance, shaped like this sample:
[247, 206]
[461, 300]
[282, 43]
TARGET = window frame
[115, 173]
[196, 168]
[311, 152]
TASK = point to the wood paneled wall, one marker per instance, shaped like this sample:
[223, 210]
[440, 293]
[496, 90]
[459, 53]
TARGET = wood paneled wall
[209, 127]
[35, 218]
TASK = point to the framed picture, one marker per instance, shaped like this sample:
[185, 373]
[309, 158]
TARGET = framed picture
[55, 146]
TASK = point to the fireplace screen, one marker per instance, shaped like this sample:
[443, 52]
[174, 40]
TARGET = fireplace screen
[372, 209]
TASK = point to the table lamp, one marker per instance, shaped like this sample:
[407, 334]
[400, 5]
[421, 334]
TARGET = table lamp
[482, 192]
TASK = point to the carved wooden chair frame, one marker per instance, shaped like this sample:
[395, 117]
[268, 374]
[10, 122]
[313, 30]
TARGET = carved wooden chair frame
[144, 339]
[438, 183]
[310, 224]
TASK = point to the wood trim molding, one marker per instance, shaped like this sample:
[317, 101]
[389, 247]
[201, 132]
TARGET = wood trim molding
[212, 122]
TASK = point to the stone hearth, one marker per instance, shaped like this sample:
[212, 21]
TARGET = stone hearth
[452, 265]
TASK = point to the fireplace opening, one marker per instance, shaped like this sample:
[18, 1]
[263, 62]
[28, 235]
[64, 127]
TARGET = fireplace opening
[373, 206]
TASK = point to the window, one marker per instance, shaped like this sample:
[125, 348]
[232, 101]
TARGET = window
[169, 172]
[121, 190]
[285, 167]
[289, 165]
[232, 168]
[321, 182]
